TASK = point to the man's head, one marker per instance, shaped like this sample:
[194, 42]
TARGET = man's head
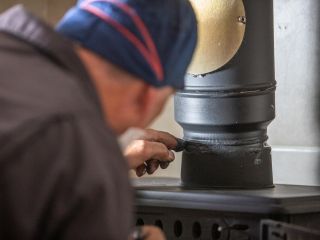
[137, 52]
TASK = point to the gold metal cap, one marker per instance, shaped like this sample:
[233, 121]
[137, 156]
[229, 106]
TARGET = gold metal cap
[221, 29]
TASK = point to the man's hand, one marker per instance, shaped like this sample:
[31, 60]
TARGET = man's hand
[151, 150]
[148, 233]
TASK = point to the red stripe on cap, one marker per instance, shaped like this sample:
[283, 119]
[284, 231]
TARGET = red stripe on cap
[142, 28]
[150, 54]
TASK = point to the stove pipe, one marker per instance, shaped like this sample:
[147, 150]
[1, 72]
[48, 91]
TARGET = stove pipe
[227, 112]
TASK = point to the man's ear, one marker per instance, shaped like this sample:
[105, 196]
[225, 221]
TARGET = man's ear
[149, 102]
[146, 99]
[145, 104]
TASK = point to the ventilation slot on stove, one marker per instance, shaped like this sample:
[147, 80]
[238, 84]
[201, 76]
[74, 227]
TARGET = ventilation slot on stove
[140, 222]
[177, 227]
[196, 230]
[215, 232]
[159, 224]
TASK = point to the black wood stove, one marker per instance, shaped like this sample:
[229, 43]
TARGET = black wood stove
[226, 189]
[188, 213]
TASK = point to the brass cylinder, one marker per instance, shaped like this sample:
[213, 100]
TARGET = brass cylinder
[221, 29]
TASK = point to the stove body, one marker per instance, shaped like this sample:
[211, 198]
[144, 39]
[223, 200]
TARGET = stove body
[186, 214]
[226, 188]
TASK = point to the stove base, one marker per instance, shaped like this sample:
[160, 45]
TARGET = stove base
[222, 214]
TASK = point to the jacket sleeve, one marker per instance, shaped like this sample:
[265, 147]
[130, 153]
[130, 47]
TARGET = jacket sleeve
[67, 181]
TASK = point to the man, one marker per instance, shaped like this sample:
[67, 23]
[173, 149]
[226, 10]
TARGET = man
[66, 96]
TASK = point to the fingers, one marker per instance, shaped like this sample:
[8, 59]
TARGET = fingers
[164, 165]
[153, 233]
[152, 151]
[158, 151]
[163, 137]
[141, 170]
[140, 151]
[150, 167]
[159, 155]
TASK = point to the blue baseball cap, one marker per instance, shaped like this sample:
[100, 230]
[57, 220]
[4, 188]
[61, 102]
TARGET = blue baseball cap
[152, 39]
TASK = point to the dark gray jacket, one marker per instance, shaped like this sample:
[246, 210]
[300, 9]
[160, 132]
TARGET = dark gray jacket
[62, 174]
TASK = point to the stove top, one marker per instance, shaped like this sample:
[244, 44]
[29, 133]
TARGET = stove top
[282, 199]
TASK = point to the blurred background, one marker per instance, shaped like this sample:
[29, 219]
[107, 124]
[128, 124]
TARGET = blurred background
[295, 133]
[51, 10]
